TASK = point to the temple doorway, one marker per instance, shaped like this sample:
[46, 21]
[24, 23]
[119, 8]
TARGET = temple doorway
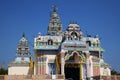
[72, 71]
[73, 67]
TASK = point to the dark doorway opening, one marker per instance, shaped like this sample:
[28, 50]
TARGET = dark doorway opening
[72, 73]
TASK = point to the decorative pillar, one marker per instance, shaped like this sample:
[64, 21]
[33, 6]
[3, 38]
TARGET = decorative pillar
[88, 65]
[62, 62]
[35, 64]
[88, 68]
[81, 70]
[91, 67]
[57, 64]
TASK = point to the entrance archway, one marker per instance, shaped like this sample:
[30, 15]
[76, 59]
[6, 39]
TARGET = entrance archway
[72, 71]
[73, 67]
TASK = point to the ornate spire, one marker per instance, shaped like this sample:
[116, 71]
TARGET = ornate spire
[23, 53]
[55, 25]
[55, 8]
[23, 35]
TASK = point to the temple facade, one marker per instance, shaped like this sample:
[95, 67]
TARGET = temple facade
[68, 53]
[21, 64]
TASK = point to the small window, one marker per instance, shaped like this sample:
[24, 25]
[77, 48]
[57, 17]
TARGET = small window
[94, 44]
[74, 35]
[97, 45]
[50, 42]
[88, 42]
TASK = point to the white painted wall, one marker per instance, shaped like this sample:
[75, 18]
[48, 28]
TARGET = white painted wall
[105, 71]
[48, 58]
[18, 70]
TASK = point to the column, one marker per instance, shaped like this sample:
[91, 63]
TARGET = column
[81, 71]
[57, 65]
[88, 65]
[35, 64]
[91, 67]
[88, 68]
[62, 63]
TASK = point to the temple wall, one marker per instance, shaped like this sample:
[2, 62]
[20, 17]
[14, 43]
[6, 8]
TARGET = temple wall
[46, 77]
[105, 71]
[14, 77]
[18, 70]
[49, 58]
[33, 77]
[96, 70]
[42, 64]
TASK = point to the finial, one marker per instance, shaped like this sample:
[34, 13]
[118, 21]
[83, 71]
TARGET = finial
[88, 35]
[39, 34]
[55, 8]
[23, 35]
[96, 36]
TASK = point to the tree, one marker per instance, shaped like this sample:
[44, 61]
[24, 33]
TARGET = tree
[114, 72]
[3, 72]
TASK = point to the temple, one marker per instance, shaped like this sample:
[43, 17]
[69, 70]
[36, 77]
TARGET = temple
[69, 54]
[22, 59]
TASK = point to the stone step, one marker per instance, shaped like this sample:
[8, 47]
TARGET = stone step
[28, 79]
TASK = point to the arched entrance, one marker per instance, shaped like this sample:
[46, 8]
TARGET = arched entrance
[73, 67]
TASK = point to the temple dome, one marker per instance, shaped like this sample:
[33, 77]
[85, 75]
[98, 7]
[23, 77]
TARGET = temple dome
[54, 15]
[73, 26]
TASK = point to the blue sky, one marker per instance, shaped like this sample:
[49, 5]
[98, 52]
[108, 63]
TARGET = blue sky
[100, 17]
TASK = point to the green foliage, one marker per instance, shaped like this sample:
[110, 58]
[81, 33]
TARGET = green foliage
[3, 72]
[114, 72]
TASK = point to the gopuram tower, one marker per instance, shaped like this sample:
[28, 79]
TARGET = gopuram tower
[47, 47]
[55, 25]
[21, 64]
